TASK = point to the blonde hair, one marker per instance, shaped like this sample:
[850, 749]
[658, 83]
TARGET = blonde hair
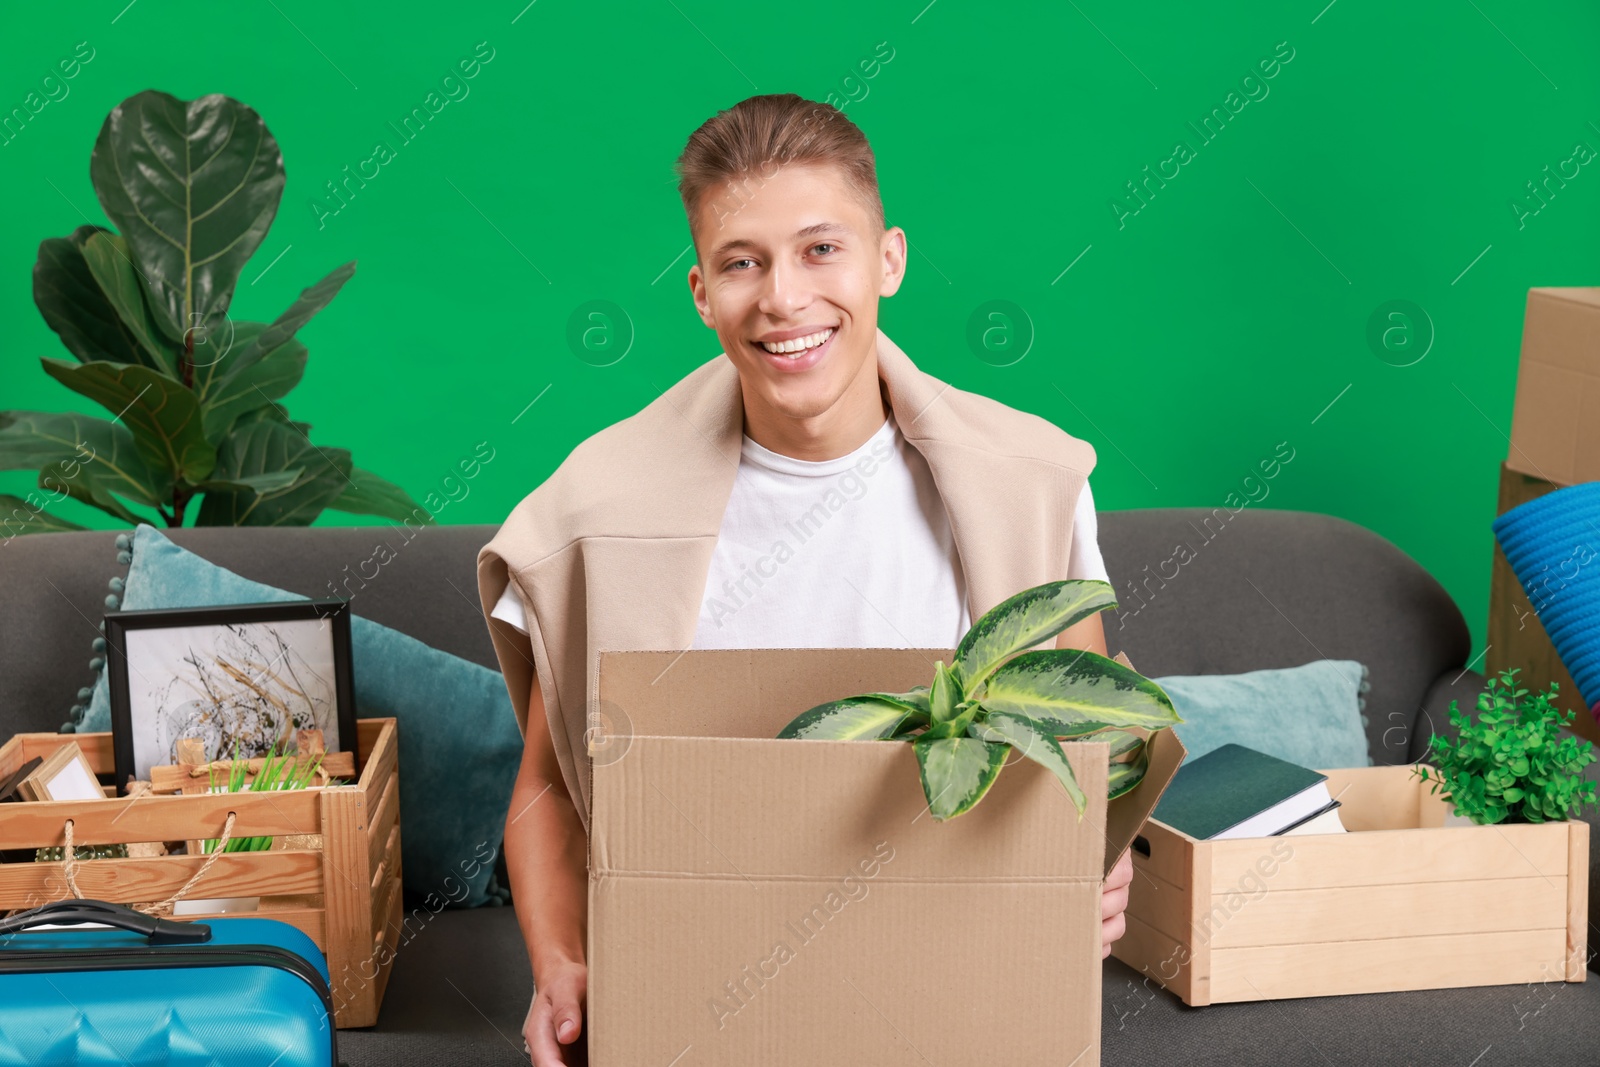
[756, 136]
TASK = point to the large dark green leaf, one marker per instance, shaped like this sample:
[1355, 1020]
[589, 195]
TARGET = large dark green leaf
[91, 458]
[106, 255]
[163, 415]
[1065, 688]
[956, 772]
[225, 394]
[17, 516]
[311, 300]
[867, 717]
[370, 494]
[193, 186]
[1034, 741]
[73, 304]
[1024, 620]
[261, 445]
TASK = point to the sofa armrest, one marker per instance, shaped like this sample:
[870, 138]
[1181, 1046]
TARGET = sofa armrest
[1433, 717]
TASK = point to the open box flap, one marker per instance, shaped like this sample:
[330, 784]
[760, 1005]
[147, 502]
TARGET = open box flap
[1127, 814]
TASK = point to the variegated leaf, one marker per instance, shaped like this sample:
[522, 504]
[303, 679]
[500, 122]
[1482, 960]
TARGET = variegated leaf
[1034, 741]
[1022, 621]
[1063, 689]
[859, 718]
[956, 772]
[1122, 777]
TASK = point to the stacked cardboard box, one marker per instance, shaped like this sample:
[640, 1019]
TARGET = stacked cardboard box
[1555, 442]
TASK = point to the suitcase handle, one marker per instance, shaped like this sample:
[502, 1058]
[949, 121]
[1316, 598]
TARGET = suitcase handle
[84, 910]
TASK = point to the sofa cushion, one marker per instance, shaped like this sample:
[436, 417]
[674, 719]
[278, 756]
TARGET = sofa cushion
[1312, 715]
[459, 744]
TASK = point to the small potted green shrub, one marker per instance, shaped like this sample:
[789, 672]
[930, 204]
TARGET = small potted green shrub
[994, 698]
[1512, 765]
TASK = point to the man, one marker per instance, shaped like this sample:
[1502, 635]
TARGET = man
[792, 256]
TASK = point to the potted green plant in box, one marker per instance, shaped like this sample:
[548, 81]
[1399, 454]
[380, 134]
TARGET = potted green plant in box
[994, 698]
[1512, 765]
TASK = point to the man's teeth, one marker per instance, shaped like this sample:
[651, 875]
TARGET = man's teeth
[799, 344]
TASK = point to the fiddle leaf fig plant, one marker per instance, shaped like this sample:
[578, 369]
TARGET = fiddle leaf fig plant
[1512, 765]
[194, 395]
[993, 698]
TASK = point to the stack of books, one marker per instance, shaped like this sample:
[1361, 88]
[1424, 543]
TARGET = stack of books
[1234, 791]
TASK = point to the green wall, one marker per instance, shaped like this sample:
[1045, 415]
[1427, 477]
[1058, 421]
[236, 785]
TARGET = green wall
[1382, 162]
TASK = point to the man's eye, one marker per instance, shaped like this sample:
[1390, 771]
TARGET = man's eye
[738, 261]
[824, 244]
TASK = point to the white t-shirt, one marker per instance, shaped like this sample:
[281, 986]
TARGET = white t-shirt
[853, 552]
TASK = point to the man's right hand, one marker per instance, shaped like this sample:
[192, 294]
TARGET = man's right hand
[555, 1018]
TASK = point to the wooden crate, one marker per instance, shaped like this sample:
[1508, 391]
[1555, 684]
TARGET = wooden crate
[345, 894]
[1400, 902]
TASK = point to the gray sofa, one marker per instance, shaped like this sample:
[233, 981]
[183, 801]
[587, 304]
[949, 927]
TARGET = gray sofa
[1263, 588]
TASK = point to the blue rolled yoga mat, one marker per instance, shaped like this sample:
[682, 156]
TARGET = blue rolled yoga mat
[1553, 546]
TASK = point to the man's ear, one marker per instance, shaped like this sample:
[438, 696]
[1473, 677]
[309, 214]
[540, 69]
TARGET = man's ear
[702, 301]
[893, 246]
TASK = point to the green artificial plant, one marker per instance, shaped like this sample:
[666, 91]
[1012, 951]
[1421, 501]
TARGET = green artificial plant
[1512, 765]
[192, 187]
[994, 697]
[287, 773]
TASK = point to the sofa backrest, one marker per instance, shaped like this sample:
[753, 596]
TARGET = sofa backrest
[1200, 591]
[1208, 591]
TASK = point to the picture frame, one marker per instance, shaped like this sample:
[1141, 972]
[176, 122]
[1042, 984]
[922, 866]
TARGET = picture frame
[65, 774]
[251, 673]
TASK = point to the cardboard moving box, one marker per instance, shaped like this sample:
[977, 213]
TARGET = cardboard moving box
[764, 901]
[1555, 442]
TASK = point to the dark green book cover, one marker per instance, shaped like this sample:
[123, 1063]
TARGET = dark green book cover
[1226, 786]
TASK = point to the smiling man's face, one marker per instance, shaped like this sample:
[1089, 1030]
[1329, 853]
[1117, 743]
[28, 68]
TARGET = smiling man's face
[795, 260]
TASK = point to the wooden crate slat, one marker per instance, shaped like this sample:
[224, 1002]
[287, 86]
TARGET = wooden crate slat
[1163, 906]
[142, 879]
[378, 764]
[384, 817]
[347, 882]
[10, 757]
[1577, 968]
[1165, 959]
[170, 778]
[389, 932]
[1377, 798]
[382, 905]
[1389, 857]
[1171, 855]
[157, 818]
[1329, 968]
[1370, 912]
[96, 748]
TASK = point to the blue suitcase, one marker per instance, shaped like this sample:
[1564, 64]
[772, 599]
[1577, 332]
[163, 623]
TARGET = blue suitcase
[234, 991]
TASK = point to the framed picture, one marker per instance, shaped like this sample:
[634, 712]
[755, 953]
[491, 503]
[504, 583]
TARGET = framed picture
[245, 674]
[64, 775]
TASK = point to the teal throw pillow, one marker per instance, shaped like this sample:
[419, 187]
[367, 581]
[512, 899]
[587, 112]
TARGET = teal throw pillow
[459, 744]
[1312, 715]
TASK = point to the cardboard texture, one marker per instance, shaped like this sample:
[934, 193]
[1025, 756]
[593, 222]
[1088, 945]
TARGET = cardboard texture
[1555, 426]
[755, 900]
[1555, 442]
